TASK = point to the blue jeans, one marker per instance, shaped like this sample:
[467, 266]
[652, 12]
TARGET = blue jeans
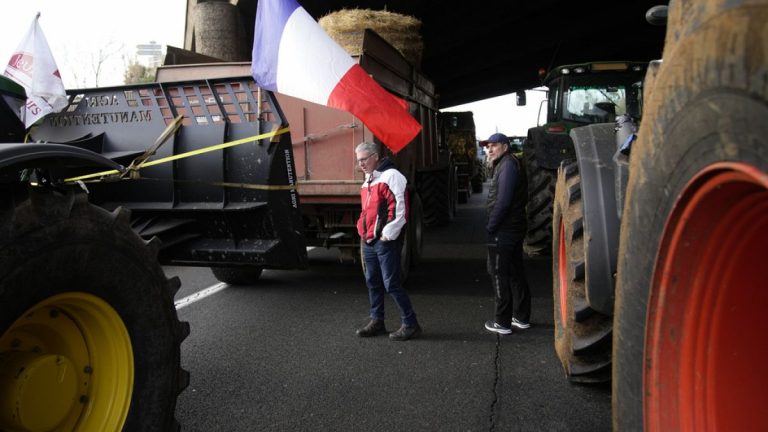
[382, 274]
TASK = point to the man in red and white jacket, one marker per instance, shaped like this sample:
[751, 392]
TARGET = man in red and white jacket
[381, 225]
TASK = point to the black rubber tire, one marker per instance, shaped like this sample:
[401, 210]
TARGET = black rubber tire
[439, 195]
[477, 183]
[708, 103]
[583, 338]
[416, 229]
[541, 194]
[237, 275]
[52, 244]
[405, 257]
[463, 196]
[453, 190]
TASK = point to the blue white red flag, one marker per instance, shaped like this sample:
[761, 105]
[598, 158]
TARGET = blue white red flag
[292, 55]
[32, 66]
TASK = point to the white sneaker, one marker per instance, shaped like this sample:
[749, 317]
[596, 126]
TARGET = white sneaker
[497, 328]
[520, 324]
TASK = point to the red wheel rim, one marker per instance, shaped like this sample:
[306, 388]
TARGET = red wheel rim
[562, 274]
[706, 339]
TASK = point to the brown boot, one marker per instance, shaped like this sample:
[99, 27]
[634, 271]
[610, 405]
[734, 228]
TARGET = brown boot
[373, 328]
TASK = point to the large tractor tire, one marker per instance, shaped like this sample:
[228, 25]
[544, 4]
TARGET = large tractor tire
[237, 275]
[89, 336]
[438, 190]
[541, 194]
[690, 328]
[582, 335]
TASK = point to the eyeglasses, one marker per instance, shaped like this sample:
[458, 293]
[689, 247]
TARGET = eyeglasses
[362, 160]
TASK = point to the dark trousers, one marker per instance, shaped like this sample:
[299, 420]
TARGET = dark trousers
[505, 265]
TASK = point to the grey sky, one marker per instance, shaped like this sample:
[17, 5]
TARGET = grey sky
[80, 32]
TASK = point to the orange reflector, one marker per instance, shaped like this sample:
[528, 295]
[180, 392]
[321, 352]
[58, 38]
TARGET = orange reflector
[556, 129]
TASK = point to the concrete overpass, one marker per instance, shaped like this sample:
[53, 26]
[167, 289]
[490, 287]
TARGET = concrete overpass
[472, 50]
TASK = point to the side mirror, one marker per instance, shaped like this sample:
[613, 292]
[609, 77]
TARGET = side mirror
[520, 98]
[657, 15]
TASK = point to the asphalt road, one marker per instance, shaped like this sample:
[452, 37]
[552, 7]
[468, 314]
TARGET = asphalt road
[283, 356]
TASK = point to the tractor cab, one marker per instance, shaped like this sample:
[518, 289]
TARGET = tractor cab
[578, 95]
[592, 93]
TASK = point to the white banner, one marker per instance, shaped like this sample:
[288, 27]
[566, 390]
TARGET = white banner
[33, 67]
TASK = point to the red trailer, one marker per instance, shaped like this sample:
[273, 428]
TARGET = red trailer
[324, 140]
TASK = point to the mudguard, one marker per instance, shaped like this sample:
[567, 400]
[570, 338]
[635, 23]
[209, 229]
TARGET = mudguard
[595, 146]
[34, 155]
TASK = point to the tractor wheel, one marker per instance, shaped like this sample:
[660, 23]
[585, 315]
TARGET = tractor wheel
[541, 193]
[237, 275]
[689, 340]
[582, 335]
[89, 336]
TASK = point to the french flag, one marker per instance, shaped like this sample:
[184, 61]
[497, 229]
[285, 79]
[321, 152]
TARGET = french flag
[292, 55]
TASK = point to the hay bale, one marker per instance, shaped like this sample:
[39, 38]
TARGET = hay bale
[461, 143]
[347, 26]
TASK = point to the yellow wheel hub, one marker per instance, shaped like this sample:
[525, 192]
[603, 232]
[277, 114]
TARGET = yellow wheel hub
[66, 364]
[37, 382]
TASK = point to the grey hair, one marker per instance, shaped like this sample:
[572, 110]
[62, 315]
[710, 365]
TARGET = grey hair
[369, 147]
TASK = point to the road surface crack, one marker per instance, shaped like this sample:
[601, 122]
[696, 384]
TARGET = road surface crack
[495, 397]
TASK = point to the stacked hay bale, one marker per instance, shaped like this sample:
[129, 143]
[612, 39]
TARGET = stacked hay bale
[347, 26]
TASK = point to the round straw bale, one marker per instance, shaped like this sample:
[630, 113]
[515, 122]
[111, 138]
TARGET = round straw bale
[347, 26]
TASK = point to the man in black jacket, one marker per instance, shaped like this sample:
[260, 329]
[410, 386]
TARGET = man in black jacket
[506, 229]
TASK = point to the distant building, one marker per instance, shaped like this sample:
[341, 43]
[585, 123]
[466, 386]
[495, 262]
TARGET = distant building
[151, 54]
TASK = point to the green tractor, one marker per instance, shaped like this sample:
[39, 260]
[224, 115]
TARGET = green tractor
[578, 95]
[89, 210]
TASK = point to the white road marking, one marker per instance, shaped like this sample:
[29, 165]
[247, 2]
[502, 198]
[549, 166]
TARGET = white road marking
[211, 290]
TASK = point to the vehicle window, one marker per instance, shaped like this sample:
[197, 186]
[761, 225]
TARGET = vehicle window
[594, 103]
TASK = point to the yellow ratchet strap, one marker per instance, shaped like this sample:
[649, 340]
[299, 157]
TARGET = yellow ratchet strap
[170, 130]
[184, 155]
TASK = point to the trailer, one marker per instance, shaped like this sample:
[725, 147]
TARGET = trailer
[458, 131]
[324, 139]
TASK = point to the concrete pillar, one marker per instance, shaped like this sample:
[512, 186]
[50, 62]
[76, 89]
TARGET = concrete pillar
[218, 31]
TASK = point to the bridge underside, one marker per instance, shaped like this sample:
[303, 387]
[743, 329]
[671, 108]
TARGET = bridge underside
[472, 50]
